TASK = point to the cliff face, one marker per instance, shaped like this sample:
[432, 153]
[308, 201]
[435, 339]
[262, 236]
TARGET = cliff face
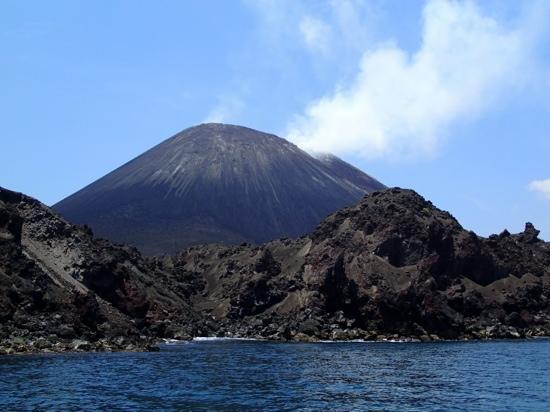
[393, 265]
[62, 289]
[216, 183]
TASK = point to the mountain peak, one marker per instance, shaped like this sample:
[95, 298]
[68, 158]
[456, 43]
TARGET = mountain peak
[215, 183]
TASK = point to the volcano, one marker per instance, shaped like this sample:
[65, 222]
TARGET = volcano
[216, 183]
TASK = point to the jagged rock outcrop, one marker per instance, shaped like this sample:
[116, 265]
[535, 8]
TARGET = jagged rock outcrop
[216, 183]
[391, 266]
[59, 285]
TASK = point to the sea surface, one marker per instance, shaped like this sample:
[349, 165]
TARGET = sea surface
[248, 375]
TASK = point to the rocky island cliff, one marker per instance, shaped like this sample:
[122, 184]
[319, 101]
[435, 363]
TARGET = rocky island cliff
[391, 267]
[63, 289]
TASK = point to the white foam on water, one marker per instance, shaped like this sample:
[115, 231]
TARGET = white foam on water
[367, 341]
[221, 338]
[237, 339]
[174, 341]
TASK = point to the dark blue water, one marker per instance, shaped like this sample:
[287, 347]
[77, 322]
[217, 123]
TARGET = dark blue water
[226, 375]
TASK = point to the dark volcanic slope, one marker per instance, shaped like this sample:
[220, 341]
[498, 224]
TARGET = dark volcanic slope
[216, 183]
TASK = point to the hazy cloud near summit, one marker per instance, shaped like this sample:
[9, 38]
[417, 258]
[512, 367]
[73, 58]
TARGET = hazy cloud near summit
[541, 186]
[227, 108]
[400, 104]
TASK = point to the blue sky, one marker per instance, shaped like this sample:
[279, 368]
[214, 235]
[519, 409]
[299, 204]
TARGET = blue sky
[449, 98]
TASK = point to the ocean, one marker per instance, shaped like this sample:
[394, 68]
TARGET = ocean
[228, 375]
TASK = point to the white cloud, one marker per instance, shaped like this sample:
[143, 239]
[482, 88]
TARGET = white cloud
[338, 30]
[351, 19]
[541, 186]
[400, 104]
[316, 34]
[227, 110]
[330, 29]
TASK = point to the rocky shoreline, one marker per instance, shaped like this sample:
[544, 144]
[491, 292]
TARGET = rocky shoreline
[20, 346]
[493, 332]
[310, 331]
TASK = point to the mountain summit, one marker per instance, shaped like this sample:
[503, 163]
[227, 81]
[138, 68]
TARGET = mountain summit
[216, 183]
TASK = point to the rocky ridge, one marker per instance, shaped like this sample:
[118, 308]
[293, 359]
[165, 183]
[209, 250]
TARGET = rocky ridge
[62, 289]
[391, 267]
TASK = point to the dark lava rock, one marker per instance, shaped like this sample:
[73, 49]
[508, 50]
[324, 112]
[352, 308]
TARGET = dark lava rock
[216, 183]
[55, 278]
[393, 265]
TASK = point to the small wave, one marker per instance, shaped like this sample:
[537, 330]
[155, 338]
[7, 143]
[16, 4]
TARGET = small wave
[174, 341]
[368, 341]
[221, 338]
